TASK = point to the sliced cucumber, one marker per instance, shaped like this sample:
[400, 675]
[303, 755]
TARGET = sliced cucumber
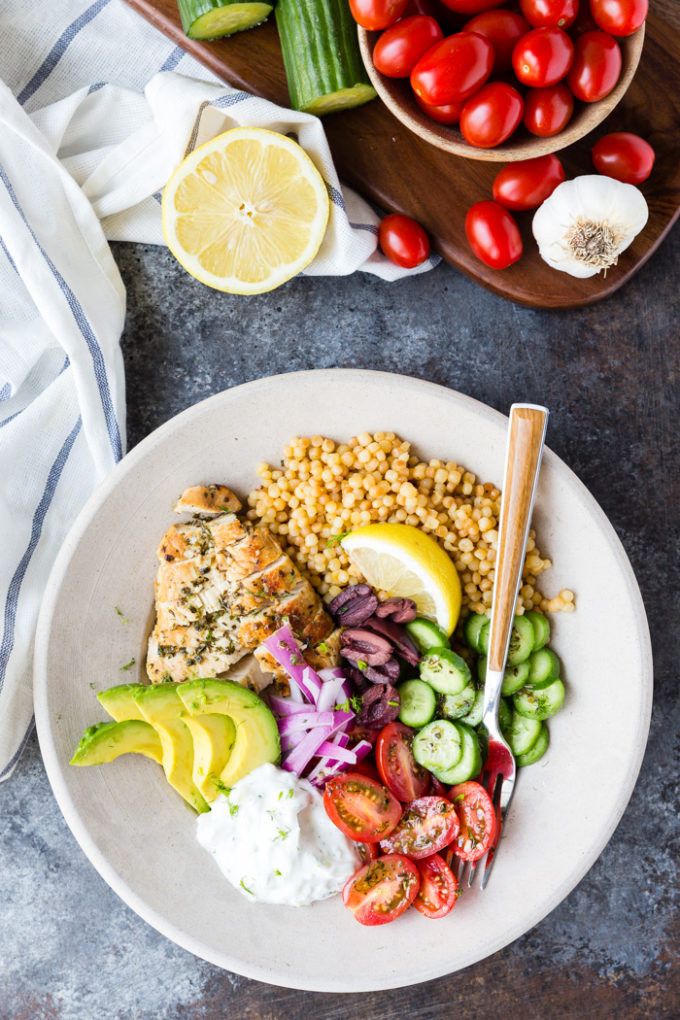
[522, 733]
[540, 703]
[541, 627]
[514, 677]
[472, 628]
[544, 667]
[445, 671]
[321, 55]
[474, 716]
[417, 703]
[455, 706]
[438, 746]
[426, 634]
[470, 763]
[538, 750]
[521, 641]
[213, 19]
[504, 715]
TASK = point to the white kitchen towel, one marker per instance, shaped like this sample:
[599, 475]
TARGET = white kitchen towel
[96, 110]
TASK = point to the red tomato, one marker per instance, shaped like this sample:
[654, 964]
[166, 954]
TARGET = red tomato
[361, 808]
[477, 820]
[453, 69]
[543, 56]
[528, 182]
[427, 825]
[493, 234]
[619, 17]
[448, 114]
[398, 769]
[376, 14]
[625, 156]
[547, 111]
[438, 887]
[491, 115]
[471, 6]
[503, 29]
[403, 240]
[368, 851]
[401, 46]
[596, 67]
[382, 889]
[550, 12]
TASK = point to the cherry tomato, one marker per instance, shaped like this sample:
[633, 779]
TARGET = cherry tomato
[547, 111]
[376, 14]
[382, 889]
[471, 6]
[401, 46]
[403, 240]
[596, 67]
[619, 17]
[398, 769]
[550, 12]
[528, 182]
[368, 851]
[625, 156]
[493, 234]
[503, 29]
[477, 820]
[453, 69]
[491, 115]
[361, 808]
[543, 56]
[427, 825]
[438, 887]
[448, 114]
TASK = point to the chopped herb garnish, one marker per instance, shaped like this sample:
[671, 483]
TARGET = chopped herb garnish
[244, 886]
[337, 539]
[283, 834]
[124, 618]
[128, 665]
[361, 665]
[323, 647]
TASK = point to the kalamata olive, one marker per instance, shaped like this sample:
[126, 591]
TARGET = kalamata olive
[396, 634]
[346, 595]
[359, 644]
[399, 610]
[355, 612]
[379, 705]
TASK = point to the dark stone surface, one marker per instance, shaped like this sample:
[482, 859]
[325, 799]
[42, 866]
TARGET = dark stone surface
[70, 949]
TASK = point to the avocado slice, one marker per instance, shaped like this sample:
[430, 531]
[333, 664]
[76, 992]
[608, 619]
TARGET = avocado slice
[106, 740]
[120, 702]
[213, 737]
[257, 735]
[161, 706]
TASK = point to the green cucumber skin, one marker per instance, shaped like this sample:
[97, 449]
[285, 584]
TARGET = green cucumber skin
[191, 10]
[320, 49]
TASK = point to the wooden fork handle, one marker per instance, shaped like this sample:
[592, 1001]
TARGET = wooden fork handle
[526, 435]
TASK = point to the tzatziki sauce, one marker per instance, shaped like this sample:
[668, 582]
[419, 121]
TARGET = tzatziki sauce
[271, 837]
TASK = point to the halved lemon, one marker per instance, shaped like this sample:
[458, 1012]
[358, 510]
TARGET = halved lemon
[246, 211]
[405, 561]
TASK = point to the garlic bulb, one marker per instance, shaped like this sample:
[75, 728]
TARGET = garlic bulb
[586, 223]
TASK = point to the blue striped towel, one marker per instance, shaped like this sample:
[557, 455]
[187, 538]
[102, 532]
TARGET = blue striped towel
[96, 110]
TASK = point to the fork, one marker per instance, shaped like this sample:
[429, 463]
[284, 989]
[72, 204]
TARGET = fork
[526, 436]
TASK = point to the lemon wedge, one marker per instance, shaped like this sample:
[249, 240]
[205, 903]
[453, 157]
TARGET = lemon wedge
[246, 211]
[407, 562]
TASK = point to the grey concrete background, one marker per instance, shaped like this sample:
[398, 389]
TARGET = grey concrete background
[70, 949]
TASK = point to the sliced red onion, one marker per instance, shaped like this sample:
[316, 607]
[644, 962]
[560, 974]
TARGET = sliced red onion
[285, 707]
[311, 684]
[334, 692]
[346, 755]
[362, 748]
[283, 645]
[306, 721]
[302, 754]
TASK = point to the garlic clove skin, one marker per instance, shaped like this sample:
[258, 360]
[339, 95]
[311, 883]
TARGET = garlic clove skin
[587, 222]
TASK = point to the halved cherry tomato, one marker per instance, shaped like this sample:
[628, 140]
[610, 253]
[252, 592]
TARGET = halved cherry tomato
[376, 14]
[438, 887]
[403, 240]
[361, 808]
[401, 46]
[527, 182]
[453, 69]
[543, 56]
[493, 234]
[624, 156]
[503, 29]
[447, 114]
[427, 825]
[619, 17]
[547, 111]
[382, 889]
[398, 769]
[368, 851]
[477, 820]
[550, 12]
[596, 67]
[491, 115]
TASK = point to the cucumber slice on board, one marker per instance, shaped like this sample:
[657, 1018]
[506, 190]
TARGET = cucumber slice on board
[321, 56]
[426, 634]
[213, 19]
[538, 750]
[445, 671]
[417, 703]
[540, 702]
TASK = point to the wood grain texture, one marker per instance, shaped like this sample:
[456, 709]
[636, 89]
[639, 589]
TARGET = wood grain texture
[389, 165]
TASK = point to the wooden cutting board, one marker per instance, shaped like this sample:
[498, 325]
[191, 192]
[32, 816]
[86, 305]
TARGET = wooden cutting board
[387, 164]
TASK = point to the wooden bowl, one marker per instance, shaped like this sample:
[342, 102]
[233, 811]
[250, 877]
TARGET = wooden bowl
[398, 97]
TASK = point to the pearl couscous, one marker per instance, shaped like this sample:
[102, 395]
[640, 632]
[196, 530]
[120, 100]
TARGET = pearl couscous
[324, 489]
